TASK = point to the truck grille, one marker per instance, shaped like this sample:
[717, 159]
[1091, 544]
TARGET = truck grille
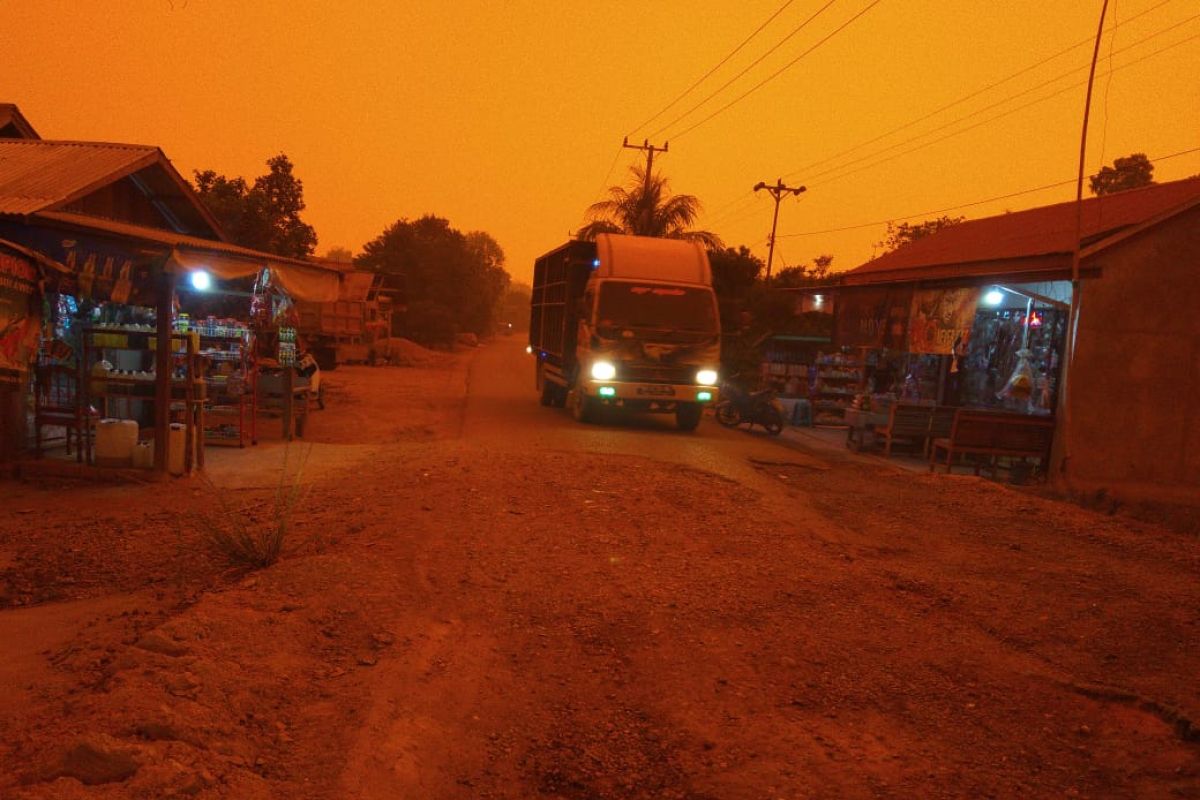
[645, 373]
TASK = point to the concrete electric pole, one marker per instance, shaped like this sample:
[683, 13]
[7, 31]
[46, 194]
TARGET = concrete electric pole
[650, 151]
[778, 191]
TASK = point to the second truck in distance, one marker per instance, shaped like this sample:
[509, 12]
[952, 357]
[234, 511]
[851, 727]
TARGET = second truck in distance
[629, 322]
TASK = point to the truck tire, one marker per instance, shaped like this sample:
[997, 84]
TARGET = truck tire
[544, 387]
[687, 416]
[583, 408]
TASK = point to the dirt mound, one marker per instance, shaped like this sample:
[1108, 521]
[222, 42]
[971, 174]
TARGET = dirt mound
[400, 352]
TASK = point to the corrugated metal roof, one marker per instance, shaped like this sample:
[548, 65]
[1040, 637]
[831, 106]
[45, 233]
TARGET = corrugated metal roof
[1035, 240]
[10, 115]
[36, 174]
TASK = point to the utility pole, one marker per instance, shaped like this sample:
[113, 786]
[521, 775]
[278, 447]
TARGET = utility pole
[650, 151]
[778, 191]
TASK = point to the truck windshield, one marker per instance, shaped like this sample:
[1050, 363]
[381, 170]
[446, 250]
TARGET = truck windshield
[656, 307]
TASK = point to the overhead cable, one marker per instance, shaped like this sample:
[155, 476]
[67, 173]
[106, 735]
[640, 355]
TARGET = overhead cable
[751, 66]
[981, 123]
[876, 223]
[778, 72]
[720, 64]
[970, 96]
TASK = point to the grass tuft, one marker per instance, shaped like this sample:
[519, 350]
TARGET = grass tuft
[239, 537]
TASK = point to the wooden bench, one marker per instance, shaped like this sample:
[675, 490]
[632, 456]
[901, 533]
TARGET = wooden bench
[995, 434]
[906, 423]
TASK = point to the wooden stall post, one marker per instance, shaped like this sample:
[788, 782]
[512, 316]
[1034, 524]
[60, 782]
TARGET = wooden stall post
[289, 401]
[165, 295]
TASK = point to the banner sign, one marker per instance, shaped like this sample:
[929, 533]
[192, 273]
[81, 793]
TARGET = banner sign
[98, 268]
[20, 315]
[940, 319]
[872, 317]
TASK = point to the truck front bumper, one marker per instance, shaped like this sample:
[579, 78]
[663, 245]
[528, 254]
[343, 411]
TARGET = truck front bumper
[648, 395]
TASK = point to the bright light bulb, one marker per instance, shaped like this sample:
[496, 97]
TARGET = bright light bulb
[201, 281]
[994, 298]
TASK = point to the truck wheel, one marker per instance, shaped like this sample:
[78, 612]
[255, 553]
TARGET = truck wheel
[687, 416]
[545, 388]
[583, 408]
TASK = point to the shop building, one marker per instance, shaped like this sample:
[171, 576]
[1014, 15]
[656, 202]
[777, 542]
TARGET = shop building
[104, 250]
[977, 316]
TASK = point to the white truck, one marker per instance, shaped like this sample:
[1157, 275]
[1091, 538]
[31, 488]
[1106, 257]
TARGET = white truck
[629, 322]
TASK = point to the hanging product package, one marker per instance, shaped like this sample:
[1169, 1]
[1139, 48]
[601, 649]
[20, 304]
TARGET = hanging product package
[1020, 384]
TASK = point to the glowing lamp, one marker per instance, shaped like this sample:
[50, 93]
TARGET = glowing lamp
[201, 281]
[994, 298]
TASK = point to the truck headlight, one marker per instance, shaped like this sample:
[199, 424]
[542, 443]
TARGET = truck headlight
[707, 377]
[603, 371]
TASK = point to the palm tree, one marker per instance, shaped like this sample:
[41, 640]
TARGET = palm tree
[646, 208]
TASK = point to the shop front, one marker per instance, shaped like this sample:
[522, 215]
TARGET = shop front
[134, 347]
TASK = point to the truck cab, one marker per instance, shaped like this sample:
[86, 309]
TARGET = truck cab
[628, 322]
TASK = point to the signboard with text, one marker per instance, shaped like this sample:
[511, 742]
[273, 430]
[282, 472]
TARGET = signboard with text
[872, 317]
[941, 319]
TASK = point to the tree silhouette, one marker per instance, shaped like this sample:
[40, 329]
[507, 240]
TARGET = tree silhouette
[1130, 172]
[647, 208]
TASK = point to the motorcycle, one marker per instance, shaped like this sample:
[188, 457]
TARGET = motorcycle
[756, 408]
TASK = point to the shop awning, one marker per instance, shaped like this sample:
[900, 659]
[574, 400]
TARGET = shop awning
[302, 280]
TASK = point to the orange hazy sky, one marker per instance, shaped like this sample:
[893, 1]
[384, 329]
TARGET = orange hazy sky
[506, 116]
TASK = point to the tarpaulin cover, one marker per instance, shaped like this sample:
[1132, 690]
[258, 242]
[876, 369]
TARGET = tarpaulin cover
[305, 283]
[20, 314]
[940, 319]
[313, 284]
[873, 317]
[222, 267]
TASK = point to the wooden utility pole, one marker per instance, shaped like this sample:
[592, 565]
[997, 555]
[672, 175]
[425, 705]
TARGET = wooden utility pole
[778, 191]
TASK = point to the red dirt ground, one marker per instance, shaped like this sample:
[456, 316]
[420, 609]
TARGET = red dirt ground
[459, 620]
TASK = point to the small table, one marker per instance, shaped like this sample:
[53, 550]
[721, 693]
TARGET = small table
[861, 425]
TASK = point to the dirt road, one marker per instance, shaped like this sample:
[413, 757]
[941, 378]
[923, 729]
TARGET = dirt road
[493, 601]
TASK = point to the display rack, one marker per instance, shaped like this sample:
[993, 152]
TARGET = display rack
[838, 381]
[231, 375]
[187, 395]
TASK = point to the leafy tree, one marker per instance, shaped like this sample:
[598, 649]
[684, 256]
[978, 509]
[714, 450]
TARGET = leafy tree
[263, 216]
[1130, 172]
[905, 233]
[647, 208]
[798, 276]
[449, 280]
[734, 271]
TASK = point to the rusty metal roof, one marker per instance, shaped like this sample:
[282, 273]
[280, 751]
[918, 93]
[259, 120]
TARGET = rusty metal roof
[13, 123]
[36, 174]
[1035, 240]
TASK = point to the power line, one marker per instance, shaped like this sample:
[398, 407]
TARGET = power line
[751, 66]
[778, 72]
[604, 183]
[708, 74]
[737, 207]
[970, 96]
[981, 122]
[1069, 181]
[1010, 97]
